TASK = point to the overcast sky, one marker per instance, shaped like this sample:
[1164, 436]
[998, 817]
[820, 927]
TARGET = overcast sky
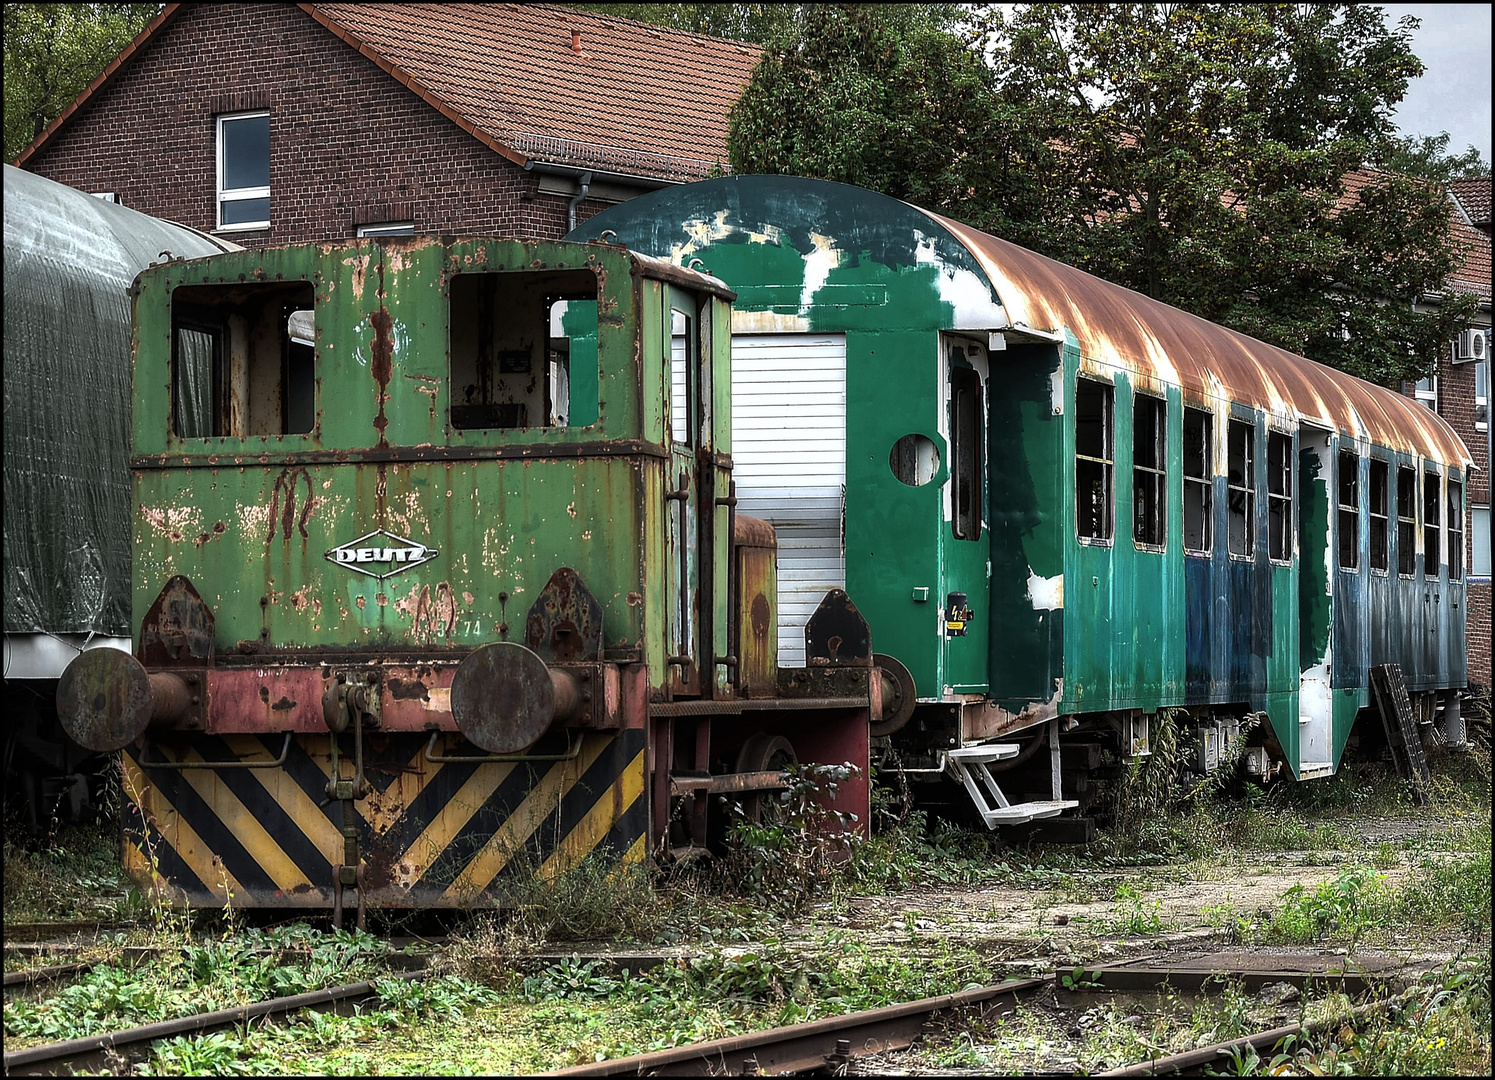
[1454, 95]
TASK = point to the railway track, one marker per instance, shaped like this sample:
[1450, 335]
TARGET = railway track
[100, 1051]
[834, 1044]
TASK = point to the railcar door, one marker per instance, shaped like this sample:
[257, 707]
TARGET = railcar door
[1315, 601]
[688, 418]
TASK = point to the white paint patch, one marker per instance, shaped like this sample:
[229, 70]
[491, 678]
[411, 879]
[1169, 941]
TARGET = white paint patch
[818, 266]
[971, 298]
[1056, 390]
[1046, 593]
[768, 322]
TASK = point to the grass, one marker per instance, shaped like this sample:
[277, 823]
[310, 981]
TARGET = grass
[77, 875]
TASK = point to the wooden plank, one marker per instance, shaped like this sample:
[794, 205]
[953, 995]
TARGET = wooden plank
[1395, 706]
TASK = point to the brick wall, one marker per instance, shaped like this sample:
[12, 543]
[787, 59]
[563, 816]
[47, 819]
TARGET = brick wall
[348, 144]
[1456, 405]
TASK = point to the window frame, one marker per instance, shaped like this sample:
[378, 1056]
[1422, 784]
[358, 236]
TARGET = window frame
[1432, 529]
[1425, 391]
[1246, 489]
[1107, 464]
[1381, 516]
[1453, 500]
[376, 229]
[1482, 394]
[238, 194]
[1407, 537]
[1347, 514]
[1204, 481]
[1155, 474]
[1285, 497]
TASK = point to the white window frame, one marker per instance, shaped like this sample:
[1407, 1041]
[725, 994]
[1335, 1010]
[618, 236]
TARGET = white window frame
[1479, 530]
[237, 194]
[387, 228]
[1426, 391]
[1482, 400]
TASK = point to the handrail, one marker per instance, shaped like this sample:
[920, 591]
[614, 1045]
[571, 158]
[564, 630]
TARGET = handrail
[285, 752]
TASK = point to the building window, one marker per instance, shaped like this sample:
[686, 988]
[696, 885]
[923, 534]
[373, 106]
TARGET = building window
[1406, 521]
[1240, 486]
[1426, 391]
[1280, 496]
[1094, 458]
[1199, 486]
[1349, 510]
[1430, 523]
[1380, 520]
[1482, 396]
[388, 228]
[1149, 473]
[1455, 530]
[244, 171]
[1479, 533]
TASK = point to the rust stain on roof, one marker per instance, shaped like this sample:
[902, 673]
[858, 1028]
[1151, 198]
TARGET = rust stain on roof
[1118, 327]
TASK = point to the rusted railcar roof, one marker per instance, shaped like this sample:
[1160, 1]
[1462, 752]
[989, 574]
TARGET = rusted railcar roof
[1118, 327]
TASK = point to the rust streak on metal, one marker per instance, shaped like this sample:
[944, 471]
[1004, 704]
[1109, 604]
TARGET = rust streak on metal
[381, 364]
[285, 484]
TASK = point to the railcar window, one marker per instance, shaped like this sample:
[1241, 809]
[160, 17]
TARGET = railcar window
[1349, 510]
[1149, 474]
[1430, 524]
[1406, 521]
[1094, 458]
[1380, 540]
[681, 362]
[1241, 486]
[965, 453]
[1280, 496]
[243, 360]
[1455, 530]
[523, 349]
[1199, 487]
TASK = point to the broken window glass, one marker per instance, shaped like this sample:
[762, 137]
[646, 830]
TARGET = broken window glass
[1380, 522]
[1430, 524]
[1279, 496]
[1406, 521]
[1349, 510]
[1240, 486]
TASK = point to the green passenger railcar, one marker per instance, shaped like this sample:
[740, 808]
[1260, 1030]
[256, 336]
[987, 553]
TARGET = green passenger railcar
[1064, 506]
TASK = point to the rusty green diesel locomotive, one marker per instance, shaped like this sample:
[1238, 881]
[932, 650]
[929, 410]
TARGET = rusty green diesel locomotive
[439, 579]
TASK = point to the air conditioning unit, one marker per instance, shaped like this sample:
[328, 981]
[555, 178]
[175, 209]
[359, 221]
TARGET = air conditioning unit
[1472, 345]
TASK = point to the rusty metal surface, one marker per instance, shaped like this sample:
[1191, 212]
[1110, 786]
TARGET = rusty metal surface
[837, 635]
[104, 699]
[755, 582]
[503, 697]
[178, 628]
[898, 695]
[564, 625]
[1119, 328]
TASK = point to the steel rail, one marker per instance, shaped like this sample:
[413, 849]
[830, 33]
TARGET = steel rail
[816, 1045]
[53, 1058]
[32, 976]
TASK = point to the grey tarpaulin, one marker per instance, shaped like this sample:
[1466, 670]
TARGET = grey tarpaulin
[69, 262]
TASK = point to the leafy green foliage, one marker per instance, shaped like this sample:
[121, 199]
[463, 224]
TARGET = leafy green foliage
[52, 52]
[1210, 156]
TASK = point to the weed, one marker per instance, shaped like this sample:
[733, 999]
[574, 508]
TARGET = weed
[1354, 901]
[1079, 979]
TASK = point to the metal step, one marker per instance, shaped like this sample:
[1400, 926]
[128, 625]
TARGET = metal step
[968, 764]
[984, 754]
[1309, 770]
[1024, 812]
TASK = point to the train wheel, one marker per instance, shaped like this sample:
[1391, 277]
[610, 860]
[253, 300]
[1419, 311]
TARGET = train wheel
[764, 753]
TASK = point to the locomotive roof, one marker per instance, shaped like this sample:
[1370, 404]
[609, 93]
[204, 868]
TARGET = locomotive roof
[1119, 327]
[1113, 326]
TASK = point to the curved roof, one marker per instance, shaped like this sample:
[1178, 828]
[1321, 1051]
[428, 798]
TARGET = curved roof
[1119, 327]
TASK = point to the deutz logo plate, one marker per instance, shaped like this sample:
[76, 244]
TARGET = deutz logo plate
[381, 554]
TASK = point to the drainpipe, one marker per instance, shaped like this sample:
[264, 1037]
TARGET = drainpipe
[584, 182]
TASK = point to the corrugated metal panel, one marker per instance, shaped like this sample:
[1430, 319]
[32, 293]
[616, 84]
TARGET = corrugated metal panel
[789, 461]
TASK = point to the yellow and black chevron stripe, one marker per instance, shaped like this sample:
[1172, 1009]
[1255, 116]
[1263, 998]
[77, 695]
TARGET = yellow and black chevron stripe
[431, 834]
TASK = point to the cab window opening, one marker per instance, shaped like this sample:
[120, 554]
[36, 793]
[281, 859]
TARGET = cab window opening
[1199, 486]
[1094, 458]
[1240, 485]
[1349, 510]
[523, 349]
[1149, 472]
[243, 360]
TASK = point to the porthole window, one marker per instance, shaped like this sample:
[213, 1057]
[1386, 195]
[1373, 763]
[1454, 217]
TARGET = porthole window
[914, 460]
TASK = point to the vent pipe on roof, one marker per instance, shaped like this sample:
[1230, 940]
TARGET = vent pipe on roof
[583, 182]
[576, 41]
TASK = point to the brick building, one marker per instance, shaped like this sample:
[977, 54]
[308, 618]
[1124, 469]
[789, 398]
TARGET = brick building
[275, 123]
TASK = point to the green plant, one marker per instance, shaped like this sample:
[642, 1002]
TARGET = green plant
[1079, 979]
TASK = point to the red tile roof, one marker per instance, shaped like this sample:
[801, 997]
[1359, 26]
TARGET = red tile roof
[536, 82]
[562, 85]
[1472, 275]
[1473, 196]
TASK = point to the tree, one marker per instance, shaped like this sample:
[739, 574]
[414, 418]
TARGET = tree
[755, 23]
[1211, 156]
[1428, 157]
[52, 52]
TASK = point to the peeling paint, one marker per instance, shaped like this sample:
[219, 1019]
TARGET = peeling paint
[1046, 593]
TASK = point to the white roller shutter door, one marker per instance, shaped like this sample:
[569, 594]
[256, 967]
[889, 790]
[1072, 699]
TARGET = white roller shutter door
[789, 461]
